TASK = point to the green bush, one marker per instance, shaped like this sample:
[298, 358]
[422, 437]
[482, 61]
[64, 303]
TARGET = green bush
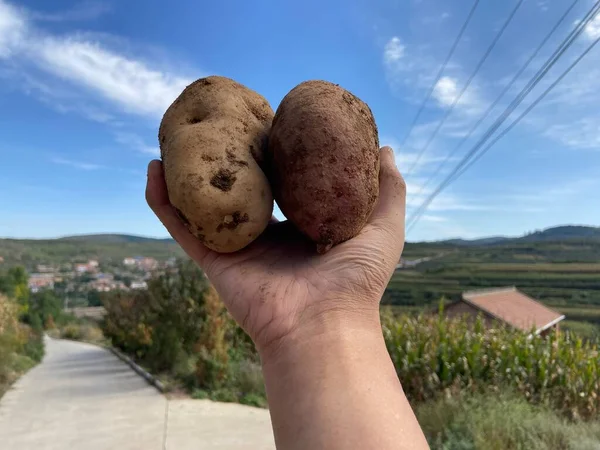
[180, 329]
[224, 395]
[20, 347]
[200, 394]
[34, 347]
[252, 399]
[248, 379]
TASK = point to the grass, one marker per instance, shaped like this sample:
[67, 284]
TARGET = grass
[501, 421]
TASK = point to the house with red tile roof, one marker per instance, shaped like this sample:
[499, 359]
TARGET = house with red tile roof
[509, 306]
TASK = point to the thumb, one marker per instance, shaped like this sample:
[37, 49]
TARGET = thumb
[390, 210]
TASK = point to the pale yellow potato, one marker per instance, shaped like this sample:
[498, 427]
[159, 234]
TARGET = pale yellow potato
[213, 141]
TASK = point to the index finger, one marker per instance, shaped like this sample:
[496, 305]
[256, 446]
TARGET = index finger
[157, 197]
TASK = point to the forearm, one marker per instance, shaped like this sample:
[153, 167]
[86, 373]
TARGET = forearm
[333, 386]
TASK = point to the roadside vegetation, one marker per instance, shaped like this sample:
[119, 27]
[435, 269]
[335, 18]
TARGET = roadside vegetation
[501, 421]
[472, 387]
[21, 345]
[179, 329]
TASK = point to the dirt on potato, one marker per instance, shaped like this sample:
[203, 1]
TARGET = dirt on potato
[324, 152]
[213, 142]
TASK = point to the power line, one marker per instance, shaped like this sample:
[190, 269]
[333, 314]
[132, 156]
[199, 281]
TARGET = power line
[466, 86]
[567, 42]
[497, 100]
[440, 72]
[527, 110]
[468, 160]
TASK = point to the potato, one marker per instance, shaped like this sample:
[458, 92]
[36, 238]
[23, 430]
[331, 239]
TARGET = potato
[325, 162]
[213, 142]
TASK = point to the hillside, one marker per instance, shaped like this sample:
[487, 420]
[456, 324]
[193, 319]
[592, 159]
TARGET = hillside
[560, 233]
[104, 248]
[548, 245]
[560, 266]
[113, 239]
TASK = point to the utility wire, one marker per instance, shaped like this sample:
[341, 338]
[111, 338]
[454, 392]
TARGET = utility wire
[466, 86]
[440, 72]
[495, 103]
[469, 159]
[524, 113]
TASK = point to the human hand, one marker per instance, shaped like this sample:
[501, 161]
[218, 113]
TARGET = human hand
[279, 286]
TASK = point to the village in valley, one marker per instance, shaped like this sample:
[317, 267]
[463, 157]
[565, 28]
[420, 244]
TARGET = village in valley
[79, 283]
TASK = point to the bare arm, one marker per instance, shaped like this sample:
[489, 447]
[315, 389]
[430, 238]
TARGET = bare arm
[315, 322]
[334, 387]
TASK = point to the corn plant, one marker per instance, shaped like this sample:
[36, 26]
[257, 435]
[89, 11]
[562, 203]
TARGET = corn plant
[434, 355]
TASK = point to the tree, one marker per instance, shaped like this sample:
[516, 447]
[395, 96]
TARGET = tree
[14, 284]
[94, 298]
[44, 308]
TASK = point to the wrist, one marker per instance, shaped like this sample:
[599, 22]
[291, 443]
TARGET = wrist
[333, 328]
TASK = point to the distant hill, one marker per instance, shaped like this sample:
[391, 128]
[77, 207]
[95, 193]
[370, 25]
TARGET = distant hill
[112, 248]
[106, 248]
[113, 238]
[480, 241]
[564, 232]
[560, 233]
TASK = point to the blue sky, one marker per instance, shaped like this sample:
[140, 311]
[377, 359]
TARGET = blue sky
[83, 85]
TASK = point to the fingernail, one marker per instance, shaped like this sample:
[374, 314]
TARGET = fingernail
[152, 167]
[390, 150]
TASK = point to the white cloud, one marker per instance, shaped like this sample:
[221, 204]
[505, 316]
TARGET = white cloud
[135, 142]
[592, 29]
[130, 84]
[393, 51]
[12, 29]
[124, 81]
[410, 72]
[446, 91]
[583, 133]
[432, 218]
[407, 157]
[77, 164]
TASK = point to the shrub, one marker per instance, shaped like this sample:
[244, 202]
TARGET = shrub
[20, 347]
[251, 399]
[180, 328]
[224, 395]
[248, 379]
[200, 394]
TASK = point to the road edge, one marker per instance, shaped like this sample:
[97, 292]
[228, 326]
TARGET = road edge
[151, 379]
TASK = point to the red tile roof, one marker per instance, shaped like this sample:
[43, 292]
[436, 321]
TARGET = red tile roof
[514, 308]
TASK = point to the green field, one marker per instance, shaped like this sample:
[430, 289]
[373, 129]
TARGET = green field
[564, 275]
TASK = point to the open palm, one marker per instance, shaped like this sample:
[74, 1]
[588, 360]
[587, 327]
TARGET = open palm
[279, 281]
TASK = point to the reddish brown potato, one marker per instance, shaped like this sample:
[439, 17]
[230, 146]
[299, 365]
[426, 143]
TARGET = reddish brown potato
[213, 140]
[325, 161]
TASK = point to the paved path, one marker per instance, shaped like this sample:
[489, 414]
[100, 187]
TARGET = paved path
[83, 397]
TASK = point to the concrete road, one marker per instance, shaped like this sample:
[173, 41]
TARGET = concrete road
[83, 397]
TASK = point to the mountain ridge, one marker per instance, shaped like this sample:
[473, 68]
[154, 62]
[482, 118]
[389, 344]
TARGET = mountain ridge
[559, 232]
